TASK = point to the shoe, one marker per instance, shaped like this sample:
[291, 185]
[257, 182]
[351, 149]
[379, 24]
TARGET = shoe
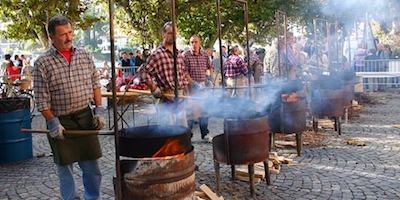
[203, 136]
[208, 138]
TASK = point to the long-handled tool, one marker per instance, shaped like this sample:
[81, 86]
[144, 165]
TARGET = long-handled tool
[69, 132]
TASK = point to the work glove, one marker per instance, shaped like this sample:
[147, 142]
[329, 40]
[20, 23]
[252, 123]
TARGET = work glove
[98, 118]
[157, 93]
[55, 128]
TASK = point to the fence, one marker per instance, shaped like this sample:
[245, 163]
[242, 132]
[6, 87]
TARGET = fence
[378, 75]
[127, 70]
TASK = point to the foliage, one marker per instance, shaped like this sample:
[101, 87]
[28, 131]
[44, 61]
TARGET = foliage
[27, 19]
[143, 19]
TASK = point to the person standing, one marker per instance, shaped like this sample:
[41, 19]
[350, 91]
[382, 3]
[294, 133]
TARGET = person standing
[8, 68]
[255, 66]
[197, 63]
[235, 71]
[66, 83]
[160, 67]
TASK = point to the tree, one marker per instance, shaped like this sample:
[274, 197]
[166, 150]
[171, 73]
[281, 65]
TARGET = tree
[27, 19]
[143, 19]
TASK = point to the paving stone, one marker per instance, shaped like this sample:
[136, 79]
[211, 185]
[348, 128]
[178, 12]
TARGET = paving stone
[332, 171]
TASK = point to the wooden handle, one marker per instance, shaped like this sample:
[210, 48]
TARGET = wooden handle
[69, 132]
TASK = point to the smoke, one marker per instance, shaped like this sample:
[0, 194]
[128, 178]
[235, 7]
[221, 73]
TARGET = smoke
[351, 10]
[218, 103]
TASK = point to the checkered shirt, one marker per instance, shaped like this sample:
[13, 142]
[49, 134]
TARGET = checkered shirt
[197, 65]
[61, 87]
[160, 66]
[235, 66]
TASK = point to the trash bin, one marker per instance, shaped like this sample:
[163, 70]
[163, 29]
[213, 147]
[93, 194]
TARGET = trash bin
[14, 115]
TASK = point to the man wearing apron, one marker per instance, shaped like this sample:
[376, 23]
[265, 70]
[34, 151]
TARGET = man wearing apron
[65, 84]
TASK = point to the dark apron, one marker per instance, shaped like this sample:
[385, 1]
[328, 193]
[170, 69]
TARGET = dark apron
[76, 148]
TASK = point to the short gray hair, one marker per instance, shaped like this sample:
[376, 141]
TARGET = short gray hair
[55, 21]
[165, 26]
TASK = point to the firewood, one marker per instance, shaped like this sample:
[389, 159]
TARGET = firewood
[270, 164]
[396, 126]
[285, 143]
[200, 194]
[247, 178]
[273, 154]
[287, 161]
[275, 161]
[210, 194]
[355, 142]
[257, 173]
[295, 164]
[274, 171]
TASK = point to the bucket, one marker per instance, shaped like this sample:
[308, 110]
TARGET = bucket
[14, 115]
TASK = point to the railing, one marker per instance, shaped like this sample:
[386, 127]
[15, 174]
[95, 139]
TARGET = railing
[128, 70]
[379, 74]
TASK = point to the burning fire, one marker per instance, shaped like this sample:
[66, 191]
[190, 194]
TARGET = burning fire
[172, 147]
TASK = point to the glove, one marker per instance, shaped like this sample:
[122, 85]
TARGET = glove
[157, 93]
[55, 128]
[98, 118]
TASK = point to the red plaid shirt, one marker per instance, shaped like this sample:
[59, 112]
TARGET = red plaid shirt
[235, 66]
[160, 66]
[197, 65]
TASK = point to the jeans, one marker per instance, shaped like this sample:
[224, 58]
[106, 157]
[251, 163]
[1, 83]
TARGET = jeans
[91, 176]
[203, 124]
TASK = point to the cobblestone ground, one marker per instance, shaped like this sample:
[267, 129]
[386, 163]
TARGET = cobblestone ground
[334, 170]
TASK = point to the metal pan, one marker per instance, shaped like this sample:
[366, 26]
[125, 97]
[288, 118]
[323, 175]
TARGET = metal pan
[146, 141]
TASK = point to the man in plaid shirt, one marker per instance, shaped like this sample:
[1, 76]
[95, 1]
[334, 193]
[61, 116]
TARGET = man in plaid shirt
[65, 83]
[235, 71]
[197, 63]
[160, 67]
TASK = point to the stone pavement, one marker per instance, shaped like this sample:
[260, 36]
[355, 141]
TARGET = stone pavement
[334, 170]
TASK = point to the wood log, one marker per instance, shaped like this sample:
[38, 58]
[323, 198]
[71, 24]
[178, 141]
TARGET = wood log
[246, 178]
[257, 172]
[200, 194]
[210, 194]
[274, 171]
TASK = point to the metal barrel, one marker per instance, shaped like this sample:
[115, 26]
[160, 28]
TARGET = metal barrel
[160, 178]
[14, 115]
[244, 141]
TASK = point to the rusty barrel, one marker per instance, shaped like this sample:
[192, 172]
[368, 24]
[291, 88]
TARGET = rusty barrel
[327, 97]
[289, 116]
[245, 141]
[348, 93]
[160, 165]
[161, 178]
[349, 78]
[288, 112]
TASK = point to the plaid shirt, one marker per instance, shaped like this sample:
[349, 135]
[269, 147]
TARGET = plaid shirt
[160, 66]
[235, 66]
[197, 65]
[61, 87]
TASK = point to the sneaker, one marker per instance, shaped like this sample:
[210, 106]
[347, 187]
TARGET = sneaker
[207, 138]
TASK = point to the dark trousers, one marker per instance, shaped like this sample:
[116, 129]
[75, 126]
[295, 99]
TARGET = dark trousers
[203, 124]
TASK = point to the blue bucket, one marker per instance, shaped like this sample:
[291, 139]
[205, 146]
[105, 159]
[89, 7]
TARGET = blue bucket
[14, 115]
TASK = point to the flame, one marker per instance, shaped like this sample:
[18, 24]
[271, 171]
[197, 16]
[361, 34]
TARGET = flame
[171, 147]
[290, 98]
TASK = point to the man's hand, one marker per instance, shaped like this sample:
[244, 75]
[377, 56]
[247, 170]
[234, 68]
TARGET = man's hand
[157, 93]
[55, 128]
[98, 118]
